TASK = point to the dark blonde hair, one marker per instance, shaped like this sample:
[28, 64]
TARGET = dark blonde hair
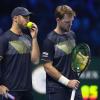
[62, 10]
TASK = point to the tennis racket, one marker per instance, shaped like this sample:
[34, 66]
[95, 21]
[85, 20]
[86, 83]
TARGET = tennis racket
[8, 95]
[80, 60]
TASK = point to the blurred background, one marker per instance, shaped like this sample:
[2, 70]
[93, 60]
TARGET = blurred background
[86, 26]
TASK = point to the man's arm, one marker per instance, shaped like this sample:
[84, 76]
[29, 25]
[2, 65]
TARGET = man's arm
[35, 53]
[47, 59]
[3, 89]
[3, 48]
[55, 74]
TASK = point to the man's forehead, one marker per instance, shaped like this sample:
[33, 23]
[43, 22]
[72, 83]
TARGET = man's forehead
[67, 17]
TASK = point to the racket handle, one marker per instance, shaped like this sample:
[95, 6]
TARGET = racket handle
[73, 94]
[10, 96]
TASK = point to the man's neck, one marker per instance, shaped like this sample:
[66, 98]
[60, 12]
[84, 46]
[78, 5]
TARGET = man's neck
[58, 31]
[16, 30]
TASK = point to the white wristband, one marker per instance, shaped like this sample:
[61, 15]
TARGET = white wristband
[63, 80]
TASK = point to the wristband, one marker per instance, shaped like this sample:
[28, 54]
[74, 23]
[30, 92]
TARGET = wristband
[63, 80]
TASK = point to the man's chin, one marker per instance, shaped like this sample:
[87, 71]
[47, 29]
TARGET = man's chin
[23, 28]
[66, 30]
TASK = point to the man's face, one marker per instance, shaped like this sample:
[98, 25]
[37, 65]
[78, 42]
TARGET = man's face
[65, 23]
[22, 21]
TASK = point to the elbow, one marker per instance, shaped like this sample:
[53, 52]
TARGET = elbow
[35, 60]
[47, 67]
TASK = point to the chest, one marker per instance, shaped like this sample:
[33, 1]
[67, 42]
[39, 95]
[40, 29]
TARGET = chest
[19, 45]
[64, 45]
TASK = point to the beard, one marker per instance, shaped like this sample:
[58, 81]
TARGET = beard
[65, 29]
[24, 29]
[21, 26]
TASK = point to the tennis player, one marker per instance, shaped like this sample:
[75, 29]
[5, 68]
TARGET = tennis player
[17, 52]
[56, 57]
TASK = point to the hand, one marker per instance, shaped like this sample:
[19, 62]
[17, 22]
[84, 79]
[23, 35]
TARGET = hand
[34, 31]
[73, 84]
[3, 90]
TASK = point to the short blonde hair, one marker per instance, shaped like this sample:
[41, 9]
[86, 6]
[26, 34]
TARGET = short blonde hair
[62, 10]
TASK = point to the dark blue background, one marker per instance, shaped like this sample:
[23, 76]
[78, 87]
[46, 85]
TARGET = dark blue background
[86, 24]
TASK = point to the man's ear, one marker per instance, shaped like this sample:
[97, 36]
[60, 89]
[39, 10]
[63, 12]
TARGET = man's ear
[57, 19]
[15, 18]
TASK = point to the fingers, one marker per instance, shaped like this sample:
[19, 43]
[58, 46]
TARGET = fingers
[73, 84]
[76, 85]
[3, 90]
[34, 27]
[34, 30]
[5, 95]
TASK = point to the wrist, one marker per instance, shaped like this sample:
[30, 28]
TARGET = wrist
[34, 38]
[63, 80]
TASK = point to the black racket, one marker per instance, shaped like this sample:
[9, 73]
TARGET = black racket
[80, 60]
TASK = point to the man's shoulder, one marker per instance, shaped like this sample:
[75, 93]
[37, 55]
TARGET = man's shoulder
[72, 33]
[5, 36]
[6, 33]
[52, 33]
[52, 36]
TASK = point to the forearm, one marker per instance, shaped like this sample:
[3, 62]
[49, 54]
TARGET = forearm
[35, 53]
[55, 74]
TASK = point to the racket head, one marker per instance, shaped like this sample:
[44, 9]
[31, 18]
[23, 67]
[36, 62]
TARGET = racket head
[80, 57]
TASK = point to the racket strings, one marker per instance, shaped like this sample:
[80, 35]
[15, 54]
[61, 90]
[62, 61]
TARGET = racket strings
[80, 57]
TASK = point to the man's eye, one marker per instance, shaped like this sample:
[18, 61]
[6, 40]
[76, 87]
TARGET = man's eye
[26, 17]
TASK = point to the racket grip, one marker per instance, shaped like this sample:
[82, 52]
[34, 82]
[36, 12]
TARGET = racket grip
[73, 94]
[10, 96]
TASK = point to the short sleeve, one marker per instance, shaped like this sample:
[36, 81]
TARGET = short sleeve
[3, 46]
[48, 51]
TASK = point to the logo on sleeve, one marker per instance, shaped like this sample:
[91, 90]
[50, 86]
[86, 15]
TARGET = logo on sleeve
[45, 54]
